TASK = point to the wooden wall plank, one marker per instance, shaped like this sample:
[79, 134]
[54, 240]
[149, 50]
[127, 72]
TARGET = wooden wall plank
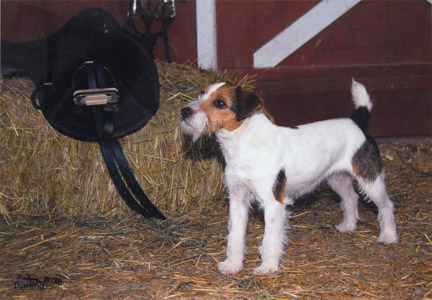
[387, 45]
[26, 20]
[402, 95]
[291, 38]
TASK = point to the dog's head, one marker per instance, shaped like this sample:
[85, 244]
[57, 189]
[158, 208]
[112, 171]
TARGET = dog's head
[220, 106]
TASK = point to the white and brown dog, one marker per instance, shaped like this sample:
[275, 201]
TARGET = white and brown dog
[275, 165]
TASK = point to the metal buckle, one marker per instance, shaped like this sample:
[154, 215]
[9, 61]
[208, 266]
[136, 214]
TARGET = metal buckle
[92, 97]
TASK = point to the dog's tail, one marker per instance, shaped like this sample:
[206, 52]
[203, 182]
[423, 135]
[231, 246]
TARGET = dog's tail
[362, 104]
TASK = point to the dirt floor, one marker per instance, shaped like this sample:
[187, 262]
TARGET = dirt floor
[138, 259]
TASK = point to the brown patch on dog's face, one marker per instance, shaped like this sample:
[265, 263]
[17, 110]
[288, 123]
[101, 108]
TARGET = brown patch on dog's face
[219, 109]
[246, 103]
[222, 107]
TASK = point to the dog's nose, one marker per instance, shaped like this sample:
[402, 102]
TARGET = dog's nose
[186, 112]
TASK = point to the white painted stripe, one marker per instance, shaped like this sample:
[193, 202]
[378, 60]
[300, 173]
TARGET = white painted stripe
[206, 34]
[300, 32]
[212, 89]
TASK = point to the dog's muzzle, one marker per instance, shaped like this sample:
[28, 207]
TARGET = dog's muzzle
[193, 121]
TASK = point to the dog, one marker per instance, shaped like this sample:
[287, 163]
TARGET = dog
[274, 165]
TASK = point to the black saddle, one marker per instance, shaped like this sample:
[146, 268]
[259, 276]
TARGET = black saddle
[95, 82]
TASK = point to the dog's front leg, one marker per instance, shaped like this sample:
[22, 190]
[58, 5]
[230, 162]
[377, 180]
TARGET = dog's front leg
[237, 224]
[274, 237]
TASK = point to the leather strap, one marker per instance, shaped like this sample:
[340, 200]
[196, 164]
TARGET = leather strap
[117, 164]
[125, 181]
[96, 79]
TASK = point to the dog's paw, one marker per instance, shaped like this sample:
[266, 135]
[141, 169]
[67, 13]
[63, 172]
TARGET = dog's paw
[388, 238]
[228, 267]
[266, 268]
[346, 227]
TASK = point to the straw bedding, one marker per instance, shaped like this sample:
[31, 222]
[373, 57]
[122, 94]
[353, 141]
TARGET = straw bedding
[46, 173]
[52, 248]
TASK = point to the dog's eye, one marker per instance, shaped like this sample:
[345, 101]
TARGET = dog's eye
[218, 103]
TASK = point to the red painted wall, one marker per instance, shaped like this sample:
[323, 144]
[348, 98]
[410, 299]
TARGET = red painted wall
[387, 45]
[23, 21]
[373, 32]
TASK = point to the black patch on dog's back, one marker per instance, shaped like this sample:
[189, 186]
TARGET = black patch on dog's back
[361, 117]
[279, 186]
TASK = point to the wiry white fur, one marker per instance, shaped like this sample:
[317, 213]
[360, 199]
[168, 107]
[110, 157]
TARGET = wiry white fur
[376, 191]
[360, 96]
[255, 153]
[198, 125]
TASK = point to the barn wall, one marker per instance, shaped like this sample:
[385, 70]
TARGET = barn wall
[384, 44]
[28, 20]
[387, 45]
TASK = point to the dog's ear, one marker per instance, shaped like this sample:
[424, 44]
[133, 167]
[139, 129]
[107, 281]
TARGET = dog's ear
[246, 103]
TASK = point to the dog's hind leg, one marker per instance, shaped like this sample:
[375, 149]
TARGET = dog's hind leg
[342, 184]
[239, 202]
[376, 191]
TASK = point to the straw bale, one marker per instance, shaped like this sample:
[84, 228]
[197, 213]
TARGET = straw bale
[42, 171]
[46, 173]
